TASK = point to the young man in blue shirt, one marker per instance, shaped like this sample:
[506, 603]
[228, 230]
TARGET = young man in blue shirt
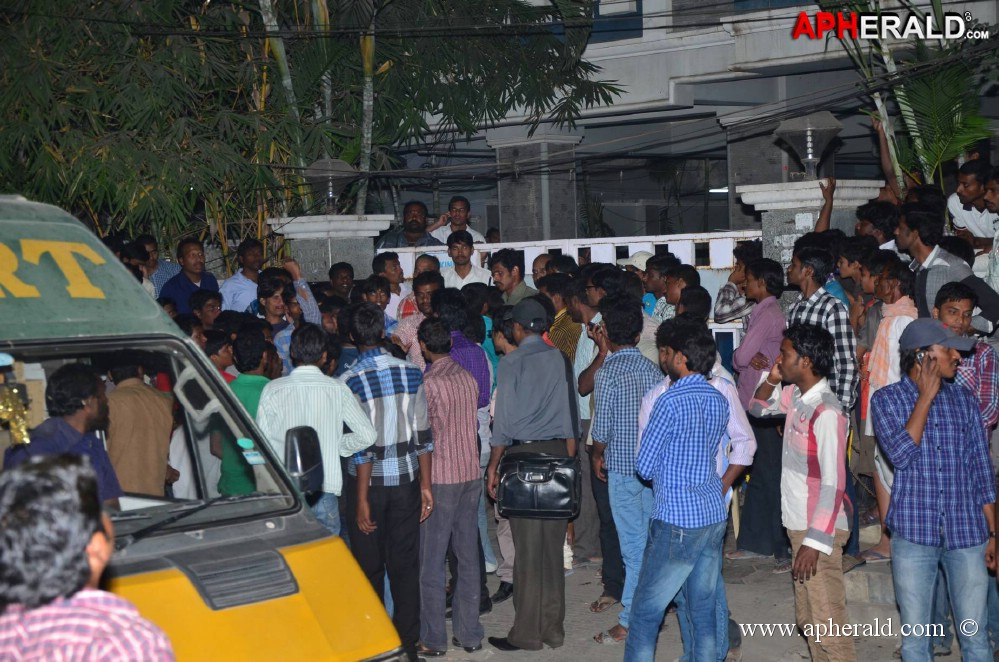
[678, 455]
[942, 512]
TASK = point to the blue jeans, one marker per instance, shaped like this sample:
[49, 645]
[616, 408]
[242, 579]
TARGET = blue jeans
[942, 615]
[721, 620]
[487, 546]
[632, 504]
[676, 558]
[327, 511]
[914, 568]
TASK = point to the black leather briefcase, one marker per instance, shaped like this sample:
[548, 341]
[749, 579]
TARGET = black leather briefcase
[539, 486]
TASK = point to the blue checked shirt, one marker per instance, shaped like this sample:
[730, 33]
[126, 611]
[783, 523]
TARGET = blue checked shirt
[618, 387]
[392, 394]
[942, 483]
[678, 453]
[164, 272]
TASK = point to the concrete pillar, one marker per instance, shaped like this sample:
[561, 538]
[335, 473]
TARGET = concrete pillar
[791, 209]
[537, 186]
[319, 241]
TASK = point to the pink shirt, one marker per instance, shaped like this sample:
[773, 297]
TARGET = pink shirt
[89, 625]
[406, 333]
[763, 336]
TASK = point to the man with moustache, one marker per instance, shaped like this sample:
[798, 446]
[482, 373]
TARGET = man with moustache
[413, 231]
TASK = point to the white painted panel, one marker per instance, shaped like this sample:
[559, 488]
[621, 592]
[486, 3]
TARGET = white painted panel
[721, 253]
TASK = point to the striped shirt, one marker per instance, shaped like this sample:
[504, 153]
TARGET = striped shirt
[942, 483]
[564, 334]
[88, 625]
[392, 395]
[618, 388]
[451, 397]
[308, 397]
[678, 453]
[813, 473]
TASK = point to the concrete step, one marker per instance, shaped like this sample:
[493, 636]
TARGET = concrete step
[870, 591]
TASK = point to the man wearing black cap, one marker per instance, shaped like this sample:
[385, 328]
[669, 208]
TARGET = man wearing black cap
[535, 413]
[942, 512]
[459, 248]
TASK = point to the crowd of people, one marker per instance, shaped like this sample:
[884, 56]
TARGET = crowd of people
[878, 377]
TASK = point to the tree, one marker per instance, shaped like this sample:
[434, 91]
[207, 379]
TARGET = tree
[935, 88]
[150, 115]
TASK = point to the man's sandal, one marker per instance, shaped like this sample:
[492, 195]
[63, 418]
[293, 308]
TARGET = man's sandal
[602, 604]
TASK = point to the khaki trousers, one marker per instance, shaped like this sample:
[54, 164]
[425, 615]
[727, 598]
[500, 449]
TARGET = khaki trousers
[821, 600]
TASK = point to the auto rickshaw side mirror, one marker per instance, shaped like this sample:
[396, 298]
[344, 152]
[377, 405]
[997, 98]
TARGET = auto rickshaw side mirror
[303, 459]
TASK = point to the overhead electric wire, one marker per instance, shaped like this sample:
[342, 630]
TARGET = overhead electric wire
[446, 30]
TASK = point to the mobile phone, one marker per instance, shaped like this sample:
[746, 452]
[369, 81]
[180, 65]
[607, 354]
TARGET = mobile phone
[920, 356]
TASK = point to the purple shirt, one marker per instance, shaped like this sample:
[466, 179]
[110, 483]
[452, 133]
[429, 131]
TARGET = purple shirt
[472, 358]
[55, 437]
[88, 625]
[763, 335]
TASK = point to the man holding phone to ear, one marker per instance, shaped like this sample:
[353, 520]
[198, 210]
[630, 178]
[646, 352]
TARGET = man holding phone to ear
[455, 220]
[942, 510]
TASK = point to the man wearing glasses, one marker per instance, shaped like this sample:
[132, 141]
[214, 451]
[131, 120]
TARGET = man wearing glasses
[455, 220]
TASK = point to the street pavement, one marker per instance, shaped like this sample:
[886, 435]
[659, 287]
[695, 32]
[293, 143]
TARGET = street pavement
[755, 595]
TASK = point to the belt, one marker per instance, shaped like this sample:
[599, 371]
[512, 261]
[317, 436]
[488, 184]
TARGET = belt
[524, 442]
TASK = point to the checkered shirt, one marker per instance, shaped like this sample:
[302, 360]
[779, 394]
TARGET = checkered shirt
[392, 394]
[826, 311]
[942, 483]
[678, 453]
[619, 386]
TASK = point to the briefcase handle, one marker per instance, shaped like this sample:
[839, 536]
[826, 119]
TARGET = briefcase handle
[535, 474]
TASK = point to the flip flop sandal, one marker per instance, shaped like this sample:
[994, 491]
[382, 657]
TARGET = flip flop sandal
[602, 604]
[607, 639]
[872, 556]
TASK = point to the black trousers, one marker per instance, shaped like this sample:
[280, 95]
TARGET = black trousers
[761, 529]
[610, 546]
[394, 547]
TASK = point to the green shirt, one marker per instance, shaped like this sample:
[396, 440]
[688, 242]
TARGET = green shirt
[237, 475]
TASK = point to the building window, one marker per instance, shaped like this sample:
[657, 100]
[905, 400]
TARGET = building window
[616, 19]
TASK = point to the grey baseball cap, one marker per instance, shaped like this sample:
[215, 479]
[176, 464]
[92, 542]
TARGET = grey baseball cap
[531, 315]
[924, 332]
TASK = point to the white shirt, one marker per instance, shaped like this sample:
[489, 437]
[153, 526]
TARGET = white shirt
[443, 232]
[395, 299]
[890, 246]
[979, 223]
[476, 275]
[308, 397]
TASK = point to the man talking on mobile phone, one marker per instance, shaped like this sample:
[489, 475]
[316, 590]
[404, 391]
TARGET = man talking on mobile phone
[455, 220]
[942, 512]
